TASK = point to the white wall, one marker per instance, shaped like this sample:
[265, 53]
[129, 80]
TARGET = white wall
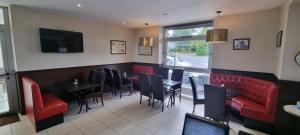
[290, 70]
[155, 32]
[97, 36]
[261, 27]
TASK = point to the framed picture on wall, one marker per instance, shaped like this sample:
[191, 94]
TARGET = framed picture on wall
[241, 44]
[117, 47]
[145, 50]
[279, 39]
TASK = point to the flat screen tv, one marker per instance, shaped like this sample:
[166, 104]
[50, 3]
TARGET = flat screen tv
[59, 41]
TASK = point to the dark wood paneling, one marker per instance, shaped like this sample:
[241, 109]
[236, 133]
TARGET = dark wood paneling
[264, 76]
[289, 94]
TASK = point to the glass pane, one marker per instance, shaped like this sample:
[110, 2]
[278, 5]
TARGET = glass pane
[193, 53]
[1, 58]
[200, 79]
[187, 32]
[3, 96]
[1, 17]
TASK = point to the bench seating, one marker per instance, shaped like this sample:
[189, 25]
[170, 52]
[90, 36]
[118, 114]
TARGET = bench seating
[43, 110]
[258, 99]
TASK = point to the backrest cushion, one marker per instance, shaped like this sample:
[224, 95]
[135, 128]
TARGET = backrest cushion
[142, 69]
[32, 90]
[255, 89]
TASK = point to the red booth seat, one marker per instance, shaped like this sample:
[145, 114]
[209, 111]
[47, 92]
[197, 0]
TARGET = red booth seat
[258, 99]
[142, 69]
[42, 110]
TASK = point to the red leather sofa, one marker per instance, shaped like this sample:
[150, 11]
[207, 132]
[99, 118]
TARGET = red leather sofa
[43, 110]
[142, 68]
[258, 99]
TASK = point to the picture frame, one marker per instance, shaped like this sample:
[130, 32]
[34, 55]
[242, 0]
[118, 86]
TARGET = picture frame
[117, 47]
[241, 44]
[145, 50]
[279, 39]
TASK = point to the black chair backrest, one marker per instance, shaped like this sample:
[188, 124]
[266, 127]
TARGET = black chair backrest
[157, 87]
[145, 86]
[109, 77]
[194, 88]
[163, 72]
[117, 79]
[92, 76]
[215, 102]
[101, 76]
[195, 125]
[177, 75]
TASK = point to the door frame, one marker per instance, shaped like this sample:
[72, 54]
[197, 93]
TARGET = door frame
[9, 64]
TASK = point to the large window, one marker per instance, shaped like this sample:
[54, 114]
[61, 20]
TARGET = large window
[185, 46]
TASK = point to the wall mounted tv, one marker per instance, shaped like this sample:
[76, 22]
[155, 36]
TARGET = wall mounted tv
[59, 41]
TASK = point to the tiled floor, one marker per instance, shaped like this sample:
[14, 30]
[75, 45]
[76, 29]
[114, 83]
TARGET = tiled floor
[119, 117]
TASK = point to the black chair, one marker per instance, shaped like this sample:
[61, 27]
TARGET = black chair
[195, 125]
[196, 99]
[109, 79]
[145, 86]
[158, 90]
[100, 78]
[215, 102]
[163, 72]
[120, 84]
[177, 75]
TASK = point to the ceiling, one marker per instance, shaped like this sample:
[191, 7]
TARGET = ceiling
[134, 13]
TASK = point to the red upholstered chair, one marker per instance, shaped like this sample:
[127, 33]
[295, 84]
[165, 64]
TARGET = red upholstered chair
[43, 110]
[258, 99]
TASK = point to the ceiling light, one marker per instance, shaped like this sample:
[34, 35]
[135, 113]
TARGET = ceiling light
[123, 23]
[78, 5]
[217, 35]
[165, 14]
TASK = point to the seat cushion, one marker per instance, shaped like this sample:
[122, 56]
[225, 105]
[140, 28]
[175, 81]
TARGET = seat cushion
[52, 106]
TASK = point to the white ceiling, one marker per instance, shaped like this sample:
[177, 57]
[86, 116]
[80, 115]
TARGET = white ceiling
[136, 12]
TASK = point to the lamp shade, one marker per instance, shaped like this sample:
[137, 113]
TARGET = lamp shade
[217, 36]
[146, 41]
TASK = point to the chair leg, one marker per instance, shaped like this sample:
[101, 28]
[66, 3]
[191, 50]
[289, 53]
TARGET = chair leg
[149, 101]
[180, 95]
[81, 104]
[96, 99]
[170, 99]
[153, 103]
[194, 109]
[121, 93]
[141, 99]
[163, 106]
[102, 100]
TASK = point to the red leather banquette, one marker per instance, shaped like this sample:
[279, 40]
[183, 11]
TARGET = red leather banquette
[142, 69]
[258, 99]
[40, 108]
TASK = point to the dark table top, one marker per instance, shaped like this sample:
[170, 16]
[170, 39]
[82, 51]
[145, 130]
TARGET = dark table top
[82, 85]
[232, 93]
[169, 82]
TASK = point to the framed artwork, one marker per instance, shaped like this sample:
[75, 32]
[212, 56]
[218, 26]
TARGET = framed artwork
[117, 47]
[279, 39]
[145, 50]
[241, 44]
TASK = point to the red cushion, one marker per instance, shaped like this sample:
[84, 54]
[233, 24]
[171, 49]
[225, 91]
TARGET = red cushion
[142, 69]
[52, 106]
[258, 98]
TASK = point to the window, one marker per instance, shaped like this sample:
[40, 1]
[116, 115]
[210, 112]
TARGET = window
[1, 16]
[185, 47]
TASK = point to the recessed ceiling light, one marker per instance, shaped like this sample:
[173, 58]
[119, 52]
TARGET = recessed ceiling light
[165, 14]
[78, 5]
[123, 23]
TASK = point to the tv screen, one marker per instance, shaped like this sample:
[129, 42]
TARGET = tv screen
[59, 41]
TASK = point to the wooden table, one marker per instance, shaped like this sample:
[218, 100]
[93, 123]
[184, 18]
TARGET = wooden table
[82, 86]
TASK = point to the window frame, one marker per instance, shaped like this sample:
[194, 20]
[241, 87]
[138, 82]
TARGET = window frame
[187, 38]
